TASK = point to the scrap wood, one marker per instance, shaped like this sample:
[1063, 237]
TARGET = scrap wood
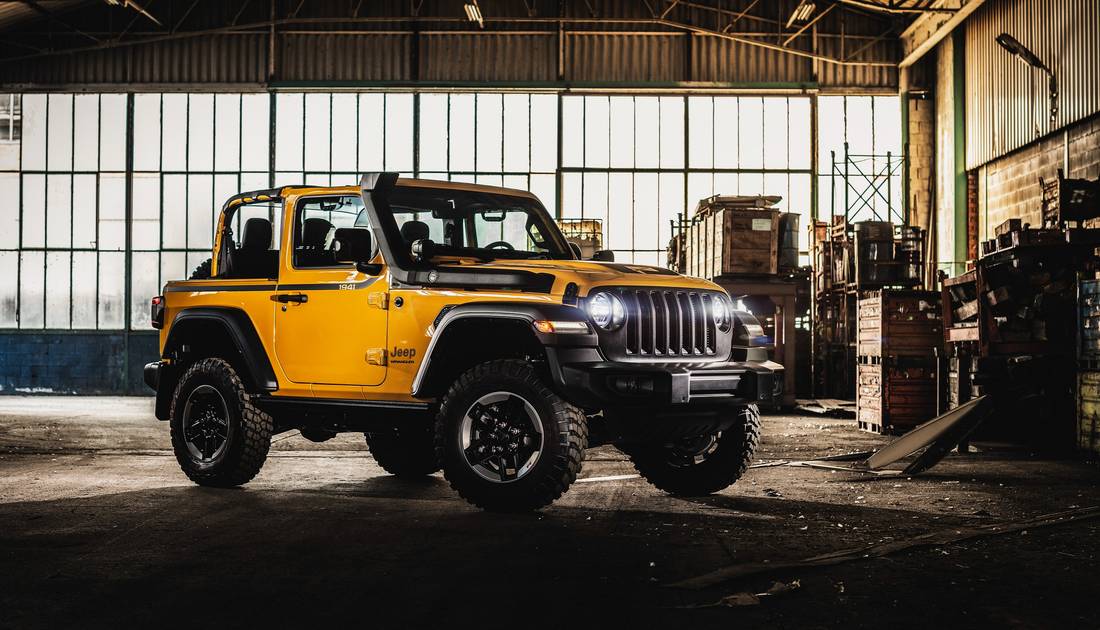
[931, 539]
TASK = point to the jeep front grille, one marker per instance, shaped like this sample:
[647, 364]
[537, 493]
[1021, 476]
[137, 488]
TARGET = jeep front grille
[668, 323]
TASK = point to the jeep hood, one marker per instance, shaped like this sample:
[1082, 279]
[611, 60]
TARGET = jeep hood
[589, 274]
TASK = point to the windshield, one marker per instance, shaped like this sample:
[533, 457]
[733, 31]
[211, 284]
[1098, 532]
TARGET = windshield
[478, 224]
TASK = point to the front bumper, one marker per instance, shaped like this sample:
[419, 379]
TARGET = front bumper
[603, 383]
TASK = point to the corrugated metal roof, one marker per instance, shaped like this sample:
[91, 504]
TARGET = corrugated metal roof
[1007, 101]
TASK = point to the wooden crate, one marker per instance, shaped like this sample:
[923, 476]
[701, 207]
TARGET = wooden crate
[899, 323]
[729, 241]
[1088, 303]
[895, 396]
[1088, 411]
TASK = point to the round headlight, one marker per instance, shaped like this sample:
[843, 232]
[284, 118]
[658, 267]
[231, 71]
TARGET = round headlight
[720, 310]
[606, 311]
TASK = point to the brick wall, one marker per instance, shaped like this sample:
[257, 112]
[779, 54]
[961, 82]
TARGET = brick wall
[922, 147]
[944, 200]
[1009, 186]
[74, 363]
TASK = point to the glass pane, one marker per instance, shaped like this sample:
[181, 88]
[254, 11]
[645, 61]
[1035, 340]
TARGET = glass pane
[801, 142]
[433, 132]
[344, 119]
[86, 130]
[145, 272]
[9, 210]
[544, 133]
[799, 201]
[32, 281]
[146, 214]
[59, 138]
[200, 201]
[751, 133]
[618, 231]
[289, 127]
[174, 132]
[725, 132]
[545, 188]
[517, 133]
[84, 211]
[146, 127]
[227, 126]
[112, 211]
[34, 211]
[112, 281]
[490, 132]
[622, 131]
[399, 132]
[462, 133]
[775, 132]
[647, 120]
[59, 208]
[672, 132]
[9, 288]
[84, 289]
[595, 197]
[646, 210]
[173, 266]
[700, 186]
[58, 281]
[318, 132]
[371, 140]
[572, 203]
[112, 132]
[750, 184]
[672, 205]
[255, 131]
[776, 184]
[34, 132]
[596, 132]
[174, 213]
[701, 132]
[572, 140]
[830, 132]
[859, 124]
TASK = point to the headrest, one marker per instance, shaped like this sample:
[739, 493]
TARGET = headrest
[257, 234]
[315, 231]
[413, 231]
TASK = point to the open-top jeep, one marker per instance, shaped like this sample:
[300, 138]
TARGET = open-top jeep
[455, 327]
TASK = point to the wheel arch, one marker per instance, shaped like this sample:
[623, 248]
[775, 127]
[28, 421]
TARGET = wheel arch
[458, 340]
[222, 332]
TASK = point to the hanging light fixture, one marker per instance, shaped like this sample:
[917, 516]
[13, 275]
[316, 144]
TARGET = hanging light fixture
[473, 13]
[801, 13]
[1024, 54]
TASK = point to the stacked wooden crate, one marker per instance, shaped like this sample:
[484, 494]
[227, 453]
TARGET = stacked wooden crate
[1088, 375]
[900, 334]
[733, 236]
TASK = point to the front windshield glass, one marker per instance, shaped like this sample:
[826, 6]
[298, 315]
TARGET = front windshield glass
[476, 224]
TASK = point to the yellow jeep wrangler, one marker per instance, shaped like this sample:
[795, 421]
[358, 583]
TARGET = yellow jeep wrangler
[455, 327]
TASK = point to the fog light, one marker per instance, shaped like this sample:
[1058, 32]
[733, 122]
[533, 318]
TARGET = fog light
[631, 385]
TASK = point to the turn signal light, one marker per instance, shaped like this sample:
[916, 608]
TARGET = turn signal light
[547, 326]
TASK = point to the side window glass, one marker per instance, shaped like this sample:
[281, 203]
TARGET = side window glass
[315, 225]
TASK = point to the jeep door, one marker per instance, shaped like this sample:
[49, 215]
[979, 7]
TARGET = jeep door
[330, 319]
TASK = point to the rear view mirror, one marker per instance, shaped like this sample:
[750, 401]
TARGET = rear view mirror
[352, 245]
[604, 255]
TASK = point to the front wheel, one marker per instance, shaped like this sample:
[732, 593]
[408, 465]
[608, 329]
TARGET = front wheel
[702, 464]
[506, 441]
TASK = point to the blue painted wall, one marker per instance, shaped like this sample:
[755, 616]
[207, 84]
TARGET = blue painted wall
[92, 362]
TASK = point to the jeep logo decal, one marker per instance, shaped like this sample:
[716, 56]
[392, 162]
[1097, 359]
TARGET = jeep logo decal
[403, 353]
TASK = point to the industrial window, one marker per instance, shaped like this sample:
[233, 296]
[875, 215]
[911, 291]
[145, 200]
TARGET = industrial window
[80, 250]
[637, 163]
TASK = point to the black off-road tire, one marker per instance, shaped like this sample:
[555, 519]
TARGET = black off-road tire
[564, 438]
[408, 451]
[720, 469]
[202, 272]
[249, 434]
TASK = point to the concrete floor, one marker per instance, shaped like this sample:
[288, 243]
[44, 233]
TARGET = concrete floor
[99, 528]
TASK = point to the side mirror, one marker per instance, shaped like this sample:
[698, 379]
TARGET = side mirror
[422, 249]
[604, 255]
[576, 249]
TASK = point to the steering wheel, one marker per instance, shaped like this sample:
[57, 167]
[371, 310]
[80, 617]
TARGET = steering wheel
[500, 245]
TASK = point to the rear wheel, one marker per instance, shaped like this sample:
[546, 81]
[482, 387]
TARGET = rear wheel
[406, 452]
[220, 439]
[506, 441]
[702, 464]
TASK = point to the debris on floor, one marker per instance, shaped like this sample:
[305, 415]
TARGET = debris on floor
[745, 598]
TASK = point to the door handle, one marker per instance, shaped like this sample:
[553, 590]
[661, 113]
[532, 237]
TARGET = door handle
[298, 298]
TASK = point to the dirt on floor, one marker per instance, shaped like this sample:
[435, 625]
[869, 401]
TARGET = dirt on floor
[99, 528]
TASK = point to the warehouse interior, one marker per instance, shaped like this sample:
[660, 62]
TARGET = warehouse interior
[904, 194]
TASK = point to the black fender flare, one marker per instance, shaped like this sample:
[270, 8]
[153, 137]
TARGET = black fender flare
[258, 378]
[526, 312]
